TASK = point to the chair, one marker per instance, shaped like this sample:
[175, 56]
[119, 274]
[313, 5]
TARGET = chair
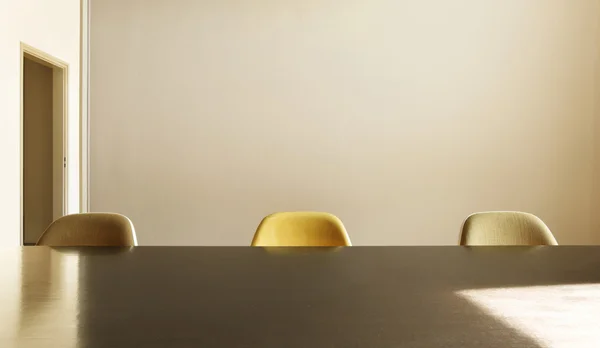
[90, 229]
[301, 229]
[505, 228]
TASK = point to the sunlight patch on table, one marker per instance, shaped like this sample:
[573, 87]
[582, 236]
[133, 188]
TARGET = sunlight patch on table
[554, 316]
[49, 313]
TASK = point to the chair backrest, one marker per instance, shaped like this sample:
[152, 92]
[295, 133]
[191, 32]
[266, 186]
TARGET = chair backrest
[505, 228]
[90, 229]
[301, 229]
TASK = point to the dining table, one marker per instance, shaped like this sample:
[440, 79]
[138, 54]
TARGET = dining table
[392, 296]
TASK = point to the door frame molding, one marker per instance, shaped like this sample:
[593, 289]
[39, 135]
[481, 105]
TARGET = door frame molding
[30, 52]
[84, 106]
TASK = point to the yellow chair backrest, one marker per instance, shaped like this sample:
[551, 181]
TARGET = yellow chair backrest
[505, 228]
[90, 229]
[301, 229]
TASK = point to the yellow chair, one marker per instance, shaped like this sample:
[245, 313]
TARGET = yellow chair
[90, 229]
[301, 229]
[505, 228]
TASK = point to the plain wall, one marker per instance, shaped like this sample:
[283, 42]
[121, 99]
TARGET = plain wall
[401, 117]
[596, 175]
[37, 149]
[58, 165]
[54, 28]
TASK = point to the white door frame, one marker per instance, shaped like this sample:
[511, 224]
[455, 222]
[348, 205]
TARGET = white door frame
[84, 107]
[30, 52]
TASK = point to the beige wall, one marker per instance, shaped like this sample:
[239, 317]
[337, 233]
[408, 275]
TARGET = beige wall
[596, 181]
[37, 149]
[52, 27]
[401, 117]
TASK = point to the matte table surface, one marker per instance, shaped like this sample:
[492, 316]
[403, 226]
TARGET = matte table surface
[300, 297]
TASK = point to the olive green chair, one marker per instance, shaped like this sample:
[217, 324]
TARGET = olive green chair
[505, 228]
[90, 229]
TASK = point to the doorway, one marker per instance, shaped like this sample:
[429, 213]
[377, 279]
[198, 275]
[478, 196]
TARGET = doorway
[43, 141]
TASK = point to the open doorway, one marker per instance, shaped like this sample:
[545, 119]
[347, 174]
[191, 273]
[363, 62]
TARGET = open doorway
[43, 141]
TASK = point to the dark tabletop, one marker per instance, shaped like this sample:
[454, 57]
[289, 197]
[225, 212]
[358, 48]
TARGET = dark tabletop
[300, 297]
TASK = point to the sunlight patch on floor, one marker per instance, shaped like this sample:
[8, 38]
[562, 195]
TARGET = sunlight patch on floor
[554, 316]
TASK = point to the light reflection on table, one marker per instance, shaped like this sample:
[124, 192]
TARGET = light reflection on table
[556, 316]
[45, 305]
